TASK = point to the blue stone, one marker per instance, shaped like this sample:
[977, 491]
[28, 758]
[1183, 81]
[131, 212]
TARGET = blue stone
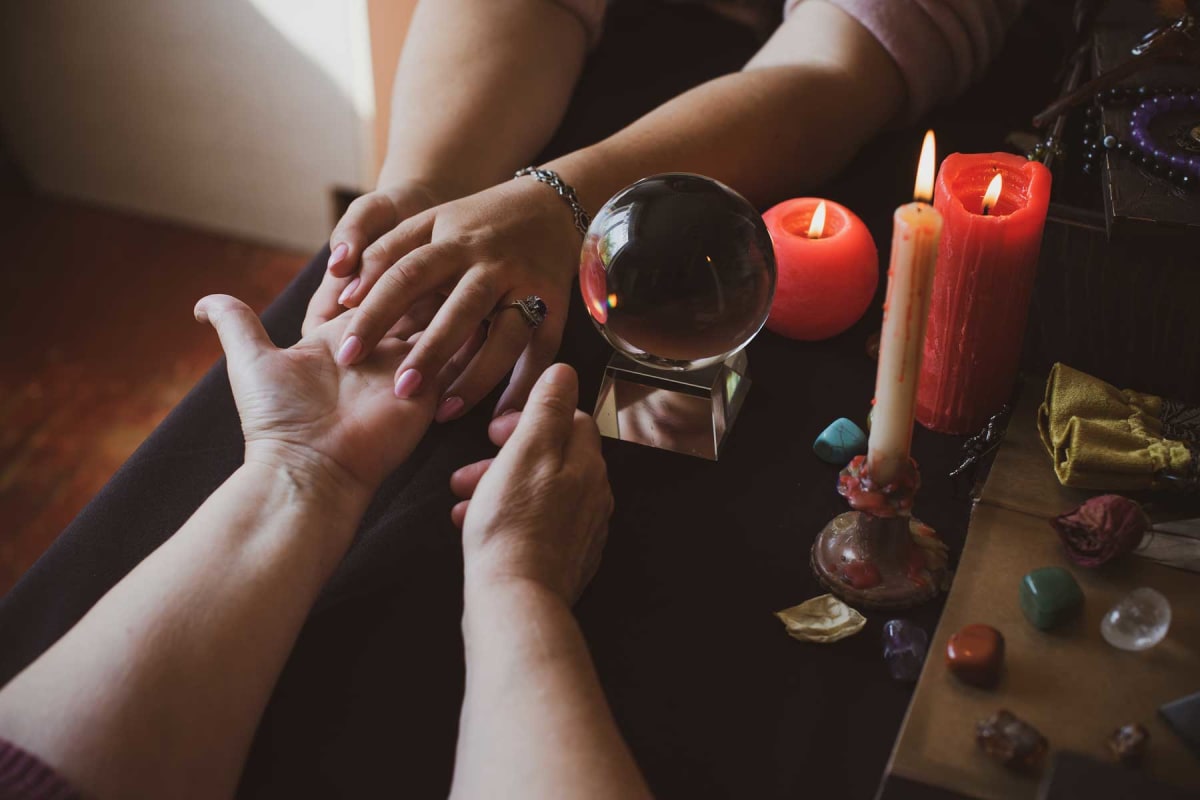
[904, 647]
[840, 442]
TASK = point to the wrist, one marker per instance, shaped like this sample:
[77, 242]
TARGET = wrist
[590, 172]
[491, 574]
[305, 477]
[427, 187]
[487, 589]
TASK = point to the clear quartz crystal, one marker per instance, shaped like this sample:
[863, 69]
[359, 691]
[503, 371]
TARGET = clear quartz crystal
[678, 271]
[1138, 622]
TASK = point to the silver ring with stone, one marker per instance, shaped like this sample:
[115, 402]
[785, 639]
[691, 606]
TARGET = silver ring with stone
[533, 308]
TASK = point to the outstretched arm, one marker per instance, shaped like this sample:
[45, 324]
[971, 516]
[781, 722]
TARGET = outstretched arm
[807, 101]
[534, 721]
[157, 691]
[480, 88]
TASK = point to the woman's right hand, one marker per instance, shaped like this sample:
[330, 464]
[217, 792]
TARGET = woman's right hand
[539, 510]
[367, 219]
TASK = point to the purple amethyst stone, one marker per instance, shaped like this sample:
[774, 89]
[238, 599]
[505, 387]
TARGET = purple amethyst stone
[905, 645]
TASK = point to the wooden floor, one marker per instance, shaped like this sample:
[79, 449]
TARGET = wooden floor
[98, 344]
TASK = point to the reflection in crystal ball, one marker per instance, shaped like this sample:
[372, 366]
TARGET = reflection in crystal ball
[678, 271]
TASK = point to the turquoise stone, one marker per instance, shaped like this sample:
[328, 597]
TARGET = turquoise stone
[840, 442]
[1049, 596]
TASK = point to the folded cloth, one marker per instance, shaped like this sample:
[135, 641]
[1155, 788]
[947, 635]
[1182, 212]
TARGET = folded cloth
[1101, 437]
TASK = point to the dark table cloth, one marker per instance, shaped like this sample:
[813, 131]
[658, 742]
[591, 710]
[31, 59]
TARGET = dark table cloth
[712, 695]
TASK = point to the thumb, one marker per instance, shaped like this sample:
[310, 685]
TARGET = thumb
[546, 422]
[238, 327]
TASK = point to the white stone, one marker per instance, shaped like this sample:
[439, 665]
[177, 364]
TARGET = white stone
[1138, 622]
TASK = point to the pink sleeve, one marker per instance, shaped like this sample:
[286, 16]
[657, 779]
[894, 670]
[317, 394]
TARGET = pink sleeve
[24, 777]
[590, 13]
[941, 46]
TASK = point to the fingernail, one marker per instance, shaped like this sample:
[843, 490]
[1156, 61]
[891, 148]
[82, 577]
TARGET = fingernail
[508, 411]
[349, 351]
[449, 409]
[349, 290]
[337, 255]
[552, 375]
[408, 383]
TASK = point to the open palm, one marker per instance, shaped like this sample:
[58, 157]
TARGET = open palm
[297, 405]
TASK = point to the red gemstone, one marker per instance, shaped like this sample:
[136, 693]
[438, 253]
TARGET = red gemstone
[975, 655]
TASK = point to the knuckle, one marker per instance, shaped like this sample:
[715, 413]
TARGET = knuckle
[556, 403]
[360, 204]
[481, 288]
[398, 279]
[375, 256]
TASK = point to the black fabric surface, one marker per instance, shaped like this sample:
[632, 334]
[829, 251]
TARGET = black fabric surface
[713, 697]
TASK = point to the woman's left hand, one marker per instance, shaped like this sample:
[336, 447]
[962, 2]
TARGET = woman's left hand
[303, 412]
[485, 251]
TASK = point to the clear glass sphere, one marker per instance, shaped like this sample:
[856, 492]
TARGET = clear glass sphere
[678, 271]
[1138, 622]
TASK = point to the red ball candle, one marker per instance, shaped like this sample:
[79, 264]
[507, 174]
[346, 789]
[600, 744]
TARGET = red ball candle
[986, 266]
[827, 273]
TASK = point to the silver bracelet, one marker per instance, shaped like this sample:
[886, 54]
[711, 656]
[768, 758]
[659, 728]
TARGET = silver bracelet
[565, 191]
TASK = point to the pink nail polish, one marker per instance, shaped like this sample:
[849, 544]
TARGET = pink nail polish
[349, 290]
[408, 383]
[450, 408]
[349, 351]
[337, 255]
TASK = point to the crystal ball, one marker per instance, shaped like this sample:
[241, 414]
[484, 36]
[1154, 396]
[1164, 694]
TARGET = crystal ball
[1138, 621]
[678, 271]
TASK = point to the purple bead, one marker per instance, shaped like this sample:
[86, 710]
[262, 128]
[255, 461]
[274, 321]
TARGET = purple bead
[904, 647]
[1176, 161]
[1158, 154]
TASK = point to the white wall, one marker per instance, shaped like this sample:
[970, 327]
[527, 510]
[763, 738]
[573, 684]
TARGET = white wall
[234, 115]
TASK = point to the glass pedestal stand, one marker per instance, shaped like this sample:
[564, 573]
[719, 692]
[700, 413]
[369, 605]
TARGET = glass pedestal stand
[878, 556]
[688, 412]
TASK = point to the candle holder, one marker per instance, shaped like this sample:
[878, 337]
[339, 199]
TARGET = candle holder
[878, 555]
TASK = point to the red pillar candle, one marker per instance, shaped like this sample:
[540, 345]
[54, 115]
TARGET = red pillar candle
[987, 261]
[827, 270]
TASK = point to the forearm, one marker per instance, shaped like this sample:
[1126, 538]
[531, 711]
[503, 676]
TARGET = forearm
[815, 93]
[158, 689]
[535, 722]
[480, 88]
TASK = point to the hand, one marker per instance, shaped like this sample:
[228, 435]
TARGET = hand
[368, 218]
[303, 412]
[538, 511]
[486, 250]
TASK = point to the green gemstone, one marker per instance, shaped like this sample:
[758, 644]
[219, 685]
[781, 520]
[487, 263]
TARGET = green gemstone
[1049, 596]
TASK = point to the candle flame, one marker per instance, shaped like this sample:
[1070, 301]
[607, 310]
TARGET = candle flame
[923, 190]
[817, 227]
[992, 195]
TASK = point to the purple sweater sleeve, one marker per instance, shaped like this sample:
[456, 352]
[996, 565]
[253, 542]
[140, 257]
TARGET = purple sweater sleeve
[941, 46]
[24, 777]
